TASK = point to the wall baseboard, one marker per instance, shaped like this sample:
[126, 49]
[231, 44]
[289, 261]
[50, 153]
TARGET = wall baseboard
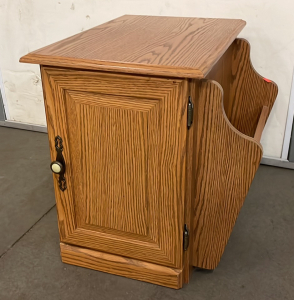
[266, 160]
[24, 126]
[277, 162]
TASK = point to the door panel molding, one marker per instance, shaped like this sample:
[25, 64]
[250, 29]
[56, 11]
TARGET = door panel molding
[154, 112]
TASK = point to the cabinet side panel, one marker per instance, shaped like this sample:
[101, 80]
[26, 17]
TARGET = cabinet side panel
[222, 73]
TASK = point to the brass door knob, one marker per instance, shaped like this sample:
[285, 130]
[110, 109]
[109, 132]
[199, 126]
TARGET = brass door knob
[56, 167]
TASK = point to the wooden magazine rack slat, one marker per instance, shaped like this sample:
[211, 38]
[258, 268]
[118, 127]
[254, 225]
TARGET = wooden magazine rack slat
[261, 123]
[232, 108]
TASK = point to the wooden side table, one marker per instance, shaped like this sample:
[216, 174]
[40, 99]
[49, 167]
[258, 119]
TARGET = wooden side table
[154, 126]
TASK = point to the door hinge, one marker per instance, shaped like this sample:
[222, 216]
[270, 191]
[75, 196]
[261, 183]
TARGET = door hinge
[190, 113]
[186, 238]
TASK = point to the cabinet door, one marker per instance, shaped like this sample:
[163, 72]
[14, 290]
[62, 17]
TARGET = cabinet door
[124, 146]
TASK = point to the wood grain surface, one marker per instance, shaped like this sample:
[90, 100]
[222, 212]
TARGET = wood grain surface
[114, 134]
[190, 186]
[122, 266]
[135, 174]
[124, 143]
[245, 91]
[261, 123]
[166, 46]
[226, 162]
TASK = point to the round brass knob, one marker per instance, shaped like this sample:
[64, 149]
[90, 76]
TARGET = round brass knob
[56, 167]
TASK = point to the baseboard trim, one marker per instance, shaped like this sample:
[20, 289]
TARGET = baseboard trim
[266, 160]
[24, 126]
[277, 162]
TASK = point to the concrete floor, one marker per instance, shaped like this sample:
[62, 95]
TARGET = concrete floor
[258, 262]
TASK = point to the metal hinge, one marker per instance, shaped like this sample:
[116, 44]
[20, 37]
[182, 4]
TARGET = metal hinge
[186, 238]
[190, 113]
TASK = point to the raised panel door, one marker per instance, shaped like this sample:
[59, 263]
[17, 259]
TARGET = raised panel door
[124, 140]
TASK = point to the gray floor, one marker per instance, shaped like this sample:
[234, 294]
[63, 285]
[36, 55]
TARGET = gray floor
[258, 262]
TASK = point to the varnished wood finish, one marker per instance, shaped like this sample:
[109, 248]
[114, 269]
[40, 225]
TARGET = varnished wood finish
[124, 143]
[261, 123]
[190, 186]
[166, 46]
[226, 162]
[135, 174]
[249, 92]
[122, 266]
[227, 155]
[245, 91]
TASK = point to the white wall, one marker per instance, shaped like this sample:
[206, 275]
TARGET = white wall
[26, 25]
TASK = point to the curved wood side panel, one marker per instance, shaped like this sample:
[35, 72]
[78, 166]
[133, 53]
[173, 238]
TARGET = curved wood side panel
[226, 161]
[245, 91]
[249, 91]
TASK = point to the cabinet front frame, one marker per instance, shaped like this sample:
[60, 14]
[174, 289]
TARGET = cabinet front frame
[166, 247]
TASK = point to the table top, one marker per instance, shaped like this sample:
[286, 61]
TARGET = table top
[158, 46]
